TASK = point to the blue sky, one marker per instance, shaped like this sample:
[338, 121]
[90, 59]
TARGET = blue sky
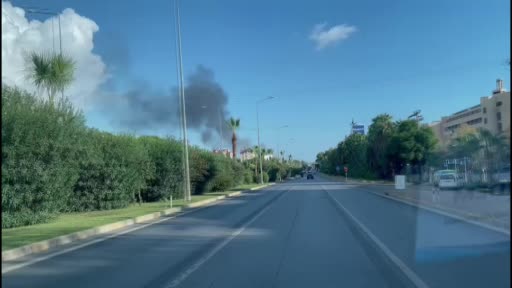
[437, 56]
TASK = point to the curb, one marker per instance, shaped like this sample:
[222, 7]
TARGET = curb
[45, 245]
[463, 216]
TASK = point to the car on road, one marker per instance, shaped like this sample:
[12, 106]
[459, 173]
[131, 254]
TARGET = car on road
[438, 174]
[310, 176]
[450, 181]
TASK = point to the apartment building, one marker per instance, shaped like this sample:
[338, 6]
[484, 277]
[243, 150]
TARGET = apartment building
[493, 114]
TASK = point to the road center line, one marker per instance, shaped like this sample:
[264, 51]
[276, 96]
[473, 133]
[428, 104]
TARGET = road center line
[413, 277]
[185, 274]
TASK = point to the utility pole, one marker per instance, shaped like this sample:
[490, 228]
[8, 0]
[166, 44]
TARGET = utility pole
[186, 171]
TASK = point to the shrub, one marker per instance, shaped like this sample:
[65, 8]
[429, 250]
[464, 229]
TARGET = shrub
[113, 174]
[166, 173]
[265, 177]
[41, 143]
[248, 177]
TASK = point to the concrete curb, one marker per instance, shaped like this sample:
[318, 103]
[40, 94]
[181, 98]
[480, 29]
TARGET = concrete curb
[460, 215]
[44, 245]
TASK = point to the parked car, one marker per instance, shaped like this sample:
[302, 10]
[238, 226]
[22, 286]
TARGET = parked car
[310, 176]
[438, 174]
[450, 181]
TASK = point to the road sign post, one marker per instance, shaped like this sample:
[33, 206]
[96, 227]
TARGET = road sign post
[346, 172]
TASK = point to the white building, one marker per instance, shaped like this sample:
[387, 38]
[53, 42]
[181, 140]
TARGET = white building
[247, 154]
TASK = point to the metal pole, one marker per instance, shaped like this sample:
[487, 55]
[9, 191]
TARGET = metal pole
[183, 116]
[259, 146]
[60, 36]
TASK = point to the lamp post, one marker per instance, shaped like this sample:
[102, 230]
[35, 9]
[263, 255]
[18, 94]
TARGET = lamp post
[179, 58]
[258, 124]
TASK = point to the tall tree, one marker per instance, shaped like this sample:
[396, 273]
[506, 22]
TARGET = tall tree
[50, 72]
[411, 143]
[380, 133]
[234, 124]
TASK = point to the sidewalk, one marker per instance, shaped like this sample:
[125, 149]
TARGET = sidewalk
[485, 208]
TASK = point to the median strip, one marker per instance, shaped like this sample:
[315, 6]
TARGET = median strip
[53, 229]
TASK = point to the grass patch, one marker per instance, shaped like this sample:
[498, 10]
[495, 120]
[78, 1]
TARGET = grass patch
[74, 222]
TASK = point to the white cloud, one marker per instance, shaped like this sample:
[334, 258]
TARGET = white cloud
[327, 37]
[19, 36]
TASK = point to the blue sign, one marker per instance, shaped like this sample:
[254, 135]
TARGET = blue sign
[358, 129]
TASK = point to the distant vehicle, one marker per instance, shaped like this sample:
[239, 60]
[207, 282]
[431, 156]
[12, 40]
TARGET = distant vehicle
[310, 176]
[450, 180]
[438, 174]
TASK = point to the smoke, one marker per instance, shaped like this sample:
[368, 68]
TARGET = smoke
[141, 108]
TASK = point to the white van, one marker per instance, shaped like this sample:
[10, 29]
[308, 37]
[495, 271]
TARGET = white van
[438, 173]
[450, 181]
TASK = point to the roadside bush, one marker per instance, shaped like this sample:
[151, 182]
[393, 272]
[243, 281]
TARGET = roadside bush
[40, 145]
[223, 176]
[239, 172]
[248, 177]
[200, 170]
[166, 173]
[265, 177]
[113, 175]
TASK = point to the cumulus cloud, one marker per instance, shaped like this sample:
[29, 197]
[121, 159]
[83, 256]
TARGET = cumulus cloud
[324, 37]
[21, 35]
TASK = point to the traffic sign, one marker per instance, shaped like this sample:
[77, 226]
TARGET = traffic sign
[345, 169]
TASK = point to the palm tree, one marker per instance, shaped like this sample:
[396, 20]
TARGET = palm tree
[234, 124]
[50, 72]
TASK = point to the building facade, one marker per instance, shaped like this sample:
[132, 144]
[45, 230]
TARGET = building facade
[247, 154]
[493, 114]
[224, 152]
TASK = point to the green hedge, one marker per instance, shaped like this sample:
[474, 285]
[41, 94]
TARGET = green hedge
[53, 163]
[41, 143]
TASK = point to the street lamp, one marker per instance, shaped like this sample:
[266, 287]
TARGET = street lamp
[179, 63]
[258, 123]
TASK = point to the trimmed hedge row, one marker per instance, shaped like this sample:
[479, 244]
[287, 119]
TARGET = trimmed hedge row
[53, 163]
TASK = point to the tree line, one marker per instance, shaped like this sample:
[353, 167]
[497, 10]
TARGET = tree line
[409, 147]
[389, 148]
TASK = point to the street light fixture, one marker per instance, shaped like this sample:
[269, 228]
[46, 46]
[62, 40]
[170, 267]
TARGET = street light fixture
[258, 123]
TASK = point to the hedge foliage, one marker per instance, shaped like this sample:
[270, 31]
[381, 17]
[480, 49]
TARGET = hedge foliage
[53, 163]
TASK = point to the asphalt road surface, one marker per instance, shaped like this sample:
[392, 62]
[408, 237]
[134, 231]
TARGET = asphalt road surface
[303, 233]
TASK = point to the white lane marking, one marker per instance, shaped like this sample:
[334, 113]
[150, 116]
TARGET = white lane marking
[401, 265]
[70, 249]
[444, 213]
[184, 275]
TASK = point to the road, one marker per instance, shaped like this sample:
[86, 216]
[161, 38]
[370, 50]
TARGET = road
[303, 233]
